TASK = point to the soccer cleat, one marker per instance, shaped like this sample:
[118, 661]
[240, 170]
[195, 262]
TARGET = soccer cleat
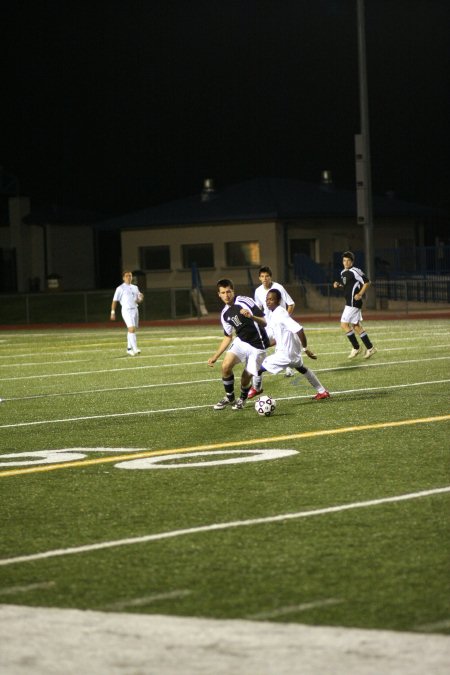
[131, 352]
[289, 372]
[322, 395]
[370, 352]
[238, 405]
[137, 351]
[254, 392]
[223, 403]
[354, 353]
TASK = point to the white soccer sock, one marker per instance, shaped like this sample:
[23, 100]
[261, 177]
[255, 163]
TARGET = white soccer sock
[313, 381]
[257, 382]
[133, 342]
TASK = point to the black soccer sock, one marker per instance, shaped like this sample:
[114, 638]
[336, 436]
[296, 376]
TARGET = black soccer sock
[244, 393]
[365, 338]
[352, 337]
[229, 387]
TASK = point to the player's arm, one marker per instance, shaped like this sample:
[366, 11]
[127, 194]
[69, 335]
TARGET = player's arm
[289, 302]
[259, 319]
[113, 310]
[222, 347]
[362, 290]
[303, 340]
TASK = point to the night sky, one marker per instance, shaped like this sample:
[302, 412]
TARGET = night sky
[117, 105]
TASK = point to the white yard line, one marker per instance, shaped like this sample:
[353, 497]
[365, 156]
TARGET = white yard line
[208, 405]
[36, 364]
[87, 392]
[294, 609]
[147, 600]
[435, 626]
[214, 527]
[13, 590]
[114, 352]
[137, 367]
[110, 371]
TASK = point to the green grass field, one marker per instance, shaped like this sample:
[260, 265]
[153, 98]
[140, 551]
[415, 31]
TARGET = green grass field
[351, 528]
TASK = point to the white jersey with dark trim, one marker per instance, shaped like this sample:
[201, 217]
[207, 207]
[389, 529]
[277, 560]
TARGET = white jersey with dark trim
[246, 329]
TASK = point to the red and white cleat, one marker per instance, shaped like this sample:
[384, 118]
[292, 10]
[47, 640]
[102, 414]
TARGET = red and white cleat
[322, 395]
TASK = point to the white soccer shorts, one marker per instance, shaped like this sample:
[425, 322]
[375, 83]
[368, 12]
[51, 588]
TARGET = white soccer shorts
[279, 361]
[131, 317]
[351, 315]
[251, 357]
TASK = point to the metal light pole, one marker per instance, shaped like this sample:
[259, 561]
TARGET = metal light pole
[362, 157]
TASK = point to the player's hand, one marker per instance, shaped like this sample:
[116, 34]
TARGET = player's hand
[246, 312]
[140, 297]
[336, 284]
[211, 361]
[311, 354]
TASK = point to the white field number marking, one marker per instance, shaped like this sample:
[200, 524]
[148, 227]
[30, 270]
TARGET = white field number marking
[37, 457]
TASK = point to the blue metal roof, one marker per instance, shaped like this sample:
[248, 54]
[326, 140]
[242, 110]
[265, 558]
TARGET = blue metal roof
[261, 199]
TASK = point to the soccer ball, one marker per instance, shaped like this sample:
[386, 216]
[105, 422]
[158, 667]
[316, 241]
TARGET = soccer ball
[265, 406]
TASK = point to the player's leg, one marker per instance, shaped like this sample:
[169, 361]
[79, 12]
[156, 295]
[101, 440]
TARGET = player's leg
[246, 379]
[135, 322]
[129, 321]
[253, 361]
[370, 349]
[132, 344]
[256, 388]
[314, 382]
[348, 319]
[228, 363]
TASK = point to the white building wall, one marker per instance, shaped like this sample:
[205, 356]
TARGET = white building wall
[218, 234]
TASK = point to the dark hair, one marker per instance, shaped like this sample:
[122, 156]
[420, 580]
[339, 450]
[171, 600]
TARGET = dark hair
[349, 254]
[276, 292]
[225, 283]
[265, 269]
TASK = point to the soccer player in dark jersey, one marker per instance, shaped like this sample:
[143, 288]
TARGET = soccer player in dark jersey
[355, 284]
[248, 347]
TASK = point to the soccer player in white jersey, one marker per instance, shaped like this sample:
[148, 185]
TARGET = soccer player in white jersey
[265, 277]
[129, 297]
[355, 284]
[290, 342]
[248, 346]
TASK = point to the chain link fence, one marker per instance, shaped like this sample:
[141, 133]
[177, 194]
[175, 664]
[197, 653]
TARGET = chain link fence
[64, 307]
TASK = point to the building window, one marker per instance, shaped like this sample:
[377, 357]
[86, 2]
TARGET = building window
[154, 258]
[242, 254]
[200, 254]
[304, 246]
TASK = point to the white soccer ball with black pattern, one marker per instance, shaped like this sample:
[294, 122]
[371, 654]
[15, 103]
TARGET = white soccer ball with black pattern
[265, 406]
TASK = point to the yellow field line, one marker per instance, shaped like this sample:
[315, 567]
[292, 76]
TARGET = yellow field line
[218, 446]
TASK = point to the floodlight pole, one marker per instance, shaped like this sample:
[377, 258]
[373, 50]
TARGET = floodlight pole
[362, 157]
